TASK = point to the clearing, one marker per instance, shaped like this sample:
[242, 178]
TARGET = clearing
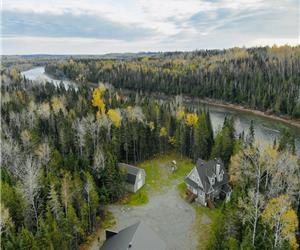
[161, 205]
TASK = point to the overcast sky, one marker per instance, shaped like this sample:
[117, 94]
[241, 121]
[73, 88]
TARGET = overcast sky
[104, 26]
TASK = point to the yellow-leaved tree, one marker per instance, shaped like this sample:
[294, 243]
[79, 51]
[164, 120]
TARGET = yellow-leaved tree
[57, 105]
[172, 140]
[163, 132]
[115, 117]
[191, 119]
[180, 114]
[151, 126]
[282, 219]
[97, 100]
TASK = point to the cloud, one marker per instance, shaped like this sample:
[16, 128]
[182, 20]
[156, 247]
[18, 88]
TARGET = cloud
[68, 25]
[100, 26]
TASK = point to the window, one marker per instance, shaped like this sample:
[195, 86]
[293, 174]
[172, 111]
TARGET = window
[212, 181]
[221, 177]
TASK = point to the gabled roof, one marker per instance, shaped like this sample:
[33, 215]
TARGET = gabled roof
[135, 237]
[191, 182]
[207, 169]
[129, 168]
[131, 172]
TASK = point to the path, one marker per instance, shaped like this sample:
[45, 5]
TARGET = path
[167, 214]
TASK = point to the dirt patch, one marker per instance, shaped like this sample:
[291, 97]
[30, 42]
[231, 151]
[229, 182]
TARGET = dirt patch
[205, 220]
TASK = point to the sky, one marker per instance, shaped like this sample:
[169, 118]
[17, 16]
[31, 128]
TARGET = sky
[110, 26]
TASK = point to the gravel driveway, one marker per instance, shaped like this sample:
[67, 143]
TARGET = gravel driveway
[167, 214]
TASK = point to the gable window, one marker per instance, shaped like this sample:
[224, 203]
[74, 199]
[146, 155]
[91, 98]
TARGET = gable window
[221, 177]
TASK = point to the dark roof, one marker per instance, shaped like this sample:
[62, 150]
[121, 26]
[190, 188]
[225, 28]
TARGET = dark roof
[129, 168]
[135, 237]
[207, 169]
[131, 172]
[191, 182]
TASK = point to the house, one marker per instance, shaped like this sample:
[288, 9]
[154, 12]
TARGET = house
[135, 237]
[135, 177]
[208, 181]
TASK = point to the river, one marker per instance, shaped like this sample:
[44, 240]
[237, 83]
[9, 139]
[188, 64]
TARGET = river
[265, 129]
[38, 74]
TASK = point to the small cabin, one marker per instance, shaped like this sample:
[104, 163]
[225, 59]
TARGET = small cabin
[134, 177]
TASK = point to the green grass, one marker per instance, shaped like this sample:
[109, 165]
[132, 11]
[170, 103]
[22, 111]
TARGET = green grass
[181, 187]
[159, 176]
[138, 198]
[201, 228]
[108, 220]
[158, 172]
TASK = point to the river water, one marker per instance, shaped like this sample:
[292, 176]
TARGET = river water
[38, 74]
[265, 129]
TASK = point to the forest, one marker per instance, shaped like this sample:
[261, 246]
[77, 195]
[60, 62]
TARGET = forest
[262, 78]
[60, 149]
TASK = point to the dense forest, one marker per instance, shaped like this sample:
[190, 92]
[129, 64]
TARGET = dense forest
[264, 78]
[60, 147]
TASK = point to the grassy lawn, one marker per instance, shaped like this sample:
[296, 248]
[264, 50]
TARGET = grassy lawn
[202, 227]
[138, 198]
[159, 176]
[205, 218]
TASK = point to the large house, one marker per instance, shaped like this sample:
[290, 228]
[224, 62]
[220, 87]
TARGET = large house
[135, 237]
[135, 177]
[208, 181]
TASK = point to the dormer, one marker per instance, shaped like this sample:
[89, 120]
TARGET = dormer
[212, 180]
[220, 176]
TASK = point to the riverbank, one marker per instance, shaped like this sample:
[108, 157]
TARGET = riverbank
[286, 120]
[217, 103]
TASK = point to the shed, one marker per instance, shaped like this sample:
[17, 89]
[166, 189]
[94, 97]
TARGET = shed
[135, 177]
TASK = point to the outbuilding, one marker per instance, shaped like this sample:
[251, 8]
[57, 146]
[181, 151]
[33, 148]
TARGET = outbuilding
[134, 177]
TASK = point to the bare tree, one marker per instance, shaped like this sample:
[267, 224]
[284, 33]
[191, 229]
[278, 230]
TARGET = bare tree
[92, 128]
[99, 162]
[66, 193]
[105, 122]
[31, 116]
[44, 110]
[250, 172]
[44, 154]
[80, 129]
[30, 185]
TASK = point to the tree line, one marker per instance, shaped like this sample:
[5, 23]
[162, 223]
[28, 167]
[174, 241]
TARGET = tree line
[263, 78]
[265, 206]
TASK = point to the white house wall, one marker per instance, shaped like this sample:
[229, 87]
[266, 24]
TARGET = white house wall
[194, 176]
